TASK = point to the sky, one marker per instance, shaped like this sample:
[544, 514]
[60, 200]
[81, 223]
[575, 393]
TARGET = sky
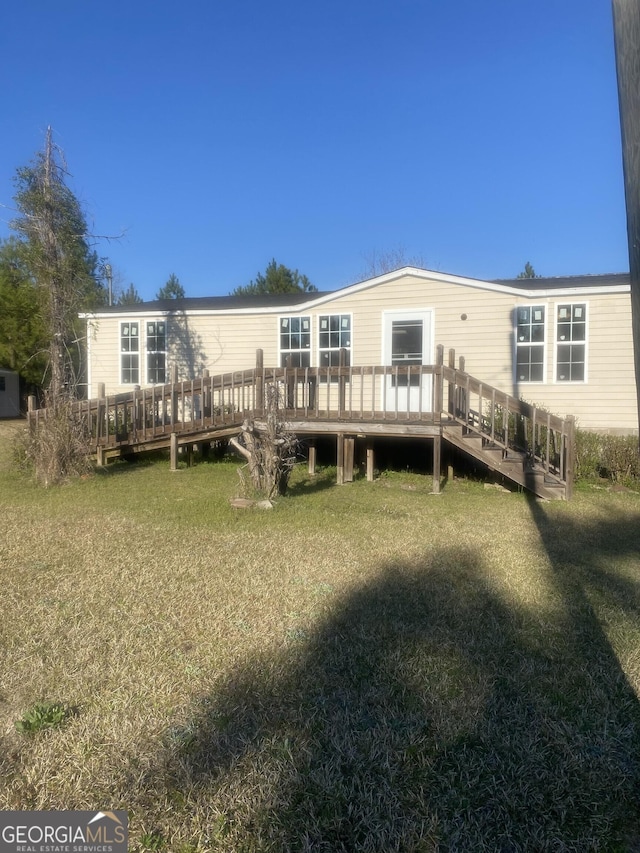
[205, 138]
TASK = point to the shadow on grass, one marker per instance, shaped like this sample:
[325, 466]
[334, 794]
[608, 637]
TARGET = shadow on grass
[309, 484]
[431, 713]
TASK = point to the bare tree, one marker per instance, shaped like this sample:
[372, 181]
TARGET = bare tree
[63, 267]
[64, 272]
[269, 447]
[379, 263]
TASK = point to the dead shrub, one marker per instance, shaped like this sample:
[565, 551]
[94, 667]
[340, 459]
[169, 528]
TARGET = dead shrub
[269, 448]
[56, 447]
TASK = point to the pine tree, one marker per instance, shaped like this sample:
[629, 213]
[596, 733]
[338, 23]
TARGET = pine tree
[276, 279]
[23, 337]
[528, 272]
[130, 296]
[172, 289]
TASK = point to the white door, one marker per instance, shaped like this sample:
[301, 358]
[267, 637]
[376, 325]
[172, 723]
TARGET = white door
[406, 342]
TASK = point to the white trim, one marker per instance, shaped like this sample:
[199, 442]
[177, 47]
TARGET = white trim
[88, 336]
[427, 315]
[556, 343]
[121, 353]
[148, 352]
[299, 317]
[409, 313]
[530, 382]
[317, 324]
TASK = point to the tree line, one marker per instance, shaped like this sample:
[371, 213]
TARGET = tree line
[50, 272]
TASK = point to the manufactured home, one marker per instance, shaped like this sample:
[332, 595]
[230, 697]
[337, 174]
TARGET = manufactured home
[562, 344]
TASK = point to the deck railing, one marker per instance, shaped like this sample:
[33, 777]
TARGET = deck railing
[426, 394]
[501, 420]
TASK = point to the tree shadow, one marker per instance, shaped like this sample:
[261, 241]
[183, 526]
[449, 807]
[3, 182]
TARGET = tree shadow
[428, 712]
[313, 483]
[186, 347]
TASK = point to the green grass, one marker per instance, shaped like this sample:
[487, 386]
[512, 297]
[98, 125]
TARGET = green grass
[362, 668]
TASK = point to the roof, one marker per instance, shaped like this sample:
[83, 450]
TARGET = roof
[273, 301]
[614, 279]
[216, 303]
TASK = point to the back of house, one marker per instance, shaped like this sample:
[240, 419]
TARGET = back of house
[564, 344]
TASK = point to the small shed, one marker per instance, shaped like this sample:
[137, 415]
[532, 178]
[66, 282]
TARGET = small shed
[9, 394]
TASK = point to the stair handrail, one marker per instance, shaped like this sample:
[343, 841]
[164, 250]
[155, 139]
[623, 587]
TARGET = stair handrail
[512, 424]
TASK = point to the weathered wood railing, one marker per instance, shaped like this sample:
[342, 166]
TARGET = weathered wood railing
[425, 394]
[504, 421]
[318, 393]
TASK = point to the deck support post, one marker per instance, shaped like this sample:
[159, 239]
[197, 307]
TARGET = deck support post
[370, 461]
[174, 451]
[259, 383]
[437, 459]
[206, 394]
[342, 381]
[349, 453]
[289, 401]
[100, 457]
[313, 451]
[438, 383]
[174, 395]
[102, 424]
[451, 407]
[570, 457]
[340, 458]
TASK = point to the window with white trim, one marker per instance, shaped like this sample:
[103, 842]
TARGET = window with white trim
[530, 335]
[334, 334]
[295, 341]
[571, 342]
[406, 349]
[129, 353]
[156, 352]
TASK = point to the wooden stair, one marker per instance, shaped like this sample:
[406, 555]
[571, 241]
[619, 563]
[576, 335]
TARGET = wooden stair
[512, 464]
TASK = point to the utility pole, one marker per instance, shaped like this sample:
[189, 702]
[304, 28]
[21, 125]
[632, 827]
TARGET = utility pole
[626, 28]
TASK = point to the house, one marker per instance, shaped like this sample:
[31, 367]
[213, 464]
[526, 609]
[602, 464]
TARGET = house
[564, 344]
[9, 394]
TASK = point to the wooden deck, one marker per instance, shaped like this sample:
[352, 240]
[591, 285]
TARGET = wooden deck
[437, 402]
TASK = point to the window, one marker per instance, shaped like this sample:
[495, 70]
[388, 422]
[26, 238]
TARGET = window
[156, 352]
[295, 341]
[129, 353]
[334, 334]
[530, 343]
[571, 339]
[406, 348]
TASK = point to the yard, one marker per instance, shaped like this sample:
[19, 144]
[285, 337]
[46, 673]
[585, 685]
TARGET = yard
[363, 668]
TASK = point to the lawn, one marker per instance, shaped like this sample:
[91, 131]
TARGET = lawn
[363, 668]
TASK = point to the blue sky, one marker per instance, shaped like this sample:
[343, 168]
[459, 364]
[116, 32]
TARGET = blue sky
[473, 135]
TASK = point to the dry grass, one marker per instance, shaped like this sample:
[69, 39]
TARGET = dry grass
[364, 668]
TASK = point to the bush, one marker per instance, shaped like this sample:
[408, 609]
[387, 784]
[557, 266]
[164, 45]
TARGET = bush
[612, 457]
[56, 447]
